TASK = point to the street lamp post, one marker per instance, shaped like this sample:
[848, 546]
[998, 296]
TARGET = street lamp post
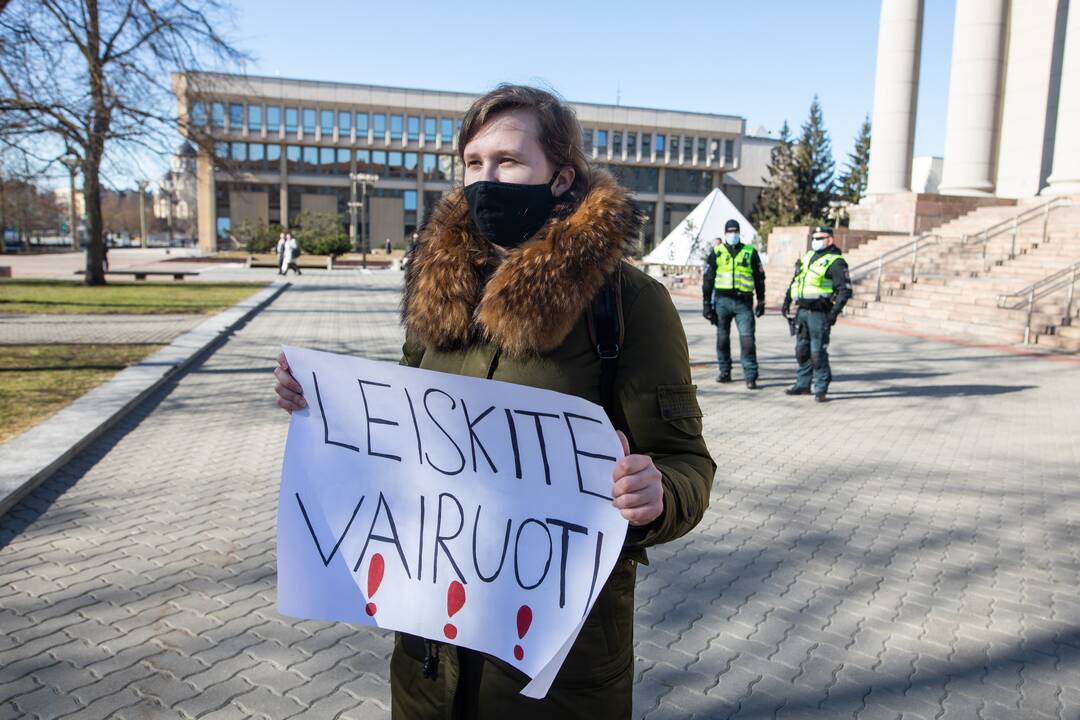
[71, 162]
[143, 240]
[363, 179]
[167, 189]
[838, 210]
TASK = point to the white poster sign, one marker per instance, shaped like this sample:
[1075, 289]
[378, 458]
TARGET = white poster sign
[464, 510]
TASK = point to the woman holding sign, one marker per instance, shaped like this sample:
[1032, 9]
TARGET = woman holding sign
[519, 276]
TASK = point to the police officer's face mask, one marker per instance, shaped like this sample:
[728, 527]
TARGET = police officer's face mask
[818, 244]
[732, 238]
[508, 214]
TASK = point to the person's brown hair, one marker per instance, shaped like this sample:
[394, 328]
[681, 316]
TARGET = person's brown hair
[560, 131]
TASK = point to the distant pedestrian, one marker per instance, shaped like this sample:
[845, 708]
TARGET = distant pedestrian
[733, 277]
[280, 252]
[289, 255]
[389, 246]
[409, 248]
[820, 289]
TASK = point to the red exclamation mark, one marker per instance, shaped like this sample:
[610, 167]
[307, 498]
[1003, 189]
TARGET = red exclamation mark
[524, 620]
[455, 600]
[374, 578]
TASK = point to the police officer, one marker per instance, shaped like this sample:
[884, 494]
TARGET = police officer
[820, 289]
[733, 276]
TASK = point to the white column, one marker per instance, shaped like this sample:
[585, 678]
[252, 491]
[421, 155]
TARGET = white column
[206, 202]
[896, 89]
[974, 97]
[1065, 172]
[658, 209]
[283, 189]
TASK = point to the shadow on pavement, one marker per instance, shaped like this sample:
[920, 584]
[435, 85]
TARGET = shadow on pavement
[929, 391]
[817, 611]
[882, 375]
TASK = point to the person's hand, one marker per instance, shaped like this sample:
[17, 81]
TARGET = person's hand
[712, 317]
[759, 310]
[638, 492]
[290, 394]
[786, 309]
[832, 318]
[707, 310]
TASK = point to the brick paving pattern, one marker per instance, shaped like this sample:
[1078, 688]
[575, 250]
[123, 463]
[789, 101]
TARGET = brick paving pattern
[908, 550]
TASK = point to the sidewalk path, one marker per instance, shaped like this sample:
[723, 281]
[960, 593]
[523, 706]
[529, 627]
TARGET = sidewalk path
[104, 329]
[910, 549]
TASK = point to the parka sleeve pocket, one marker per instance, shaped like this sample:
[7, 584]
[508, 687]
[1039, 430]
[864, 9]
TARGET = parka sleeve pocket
[679, 407]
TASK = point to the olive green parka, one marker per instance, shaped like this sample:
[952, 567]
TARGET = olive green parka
[522, 319]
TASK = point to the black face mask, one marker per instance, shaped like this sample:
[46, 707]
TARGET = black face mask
[508, 214]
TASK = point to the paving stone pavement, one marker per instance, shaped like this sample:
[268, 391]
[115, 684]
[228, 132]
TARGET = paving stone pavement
[908, 550]
[83, 329]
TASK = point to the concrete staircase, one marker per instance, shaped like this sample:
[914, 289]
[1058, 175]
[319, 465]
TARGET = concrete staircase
[958, 283]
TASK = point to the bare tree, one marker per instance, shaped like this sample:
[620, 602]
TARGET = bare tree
[24, 203]
[120, 212]
[94, 75]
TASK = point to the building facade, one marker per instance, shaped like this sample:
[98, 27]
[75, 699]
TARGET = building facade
[175, 195]
[1014, 94]
[280, 147]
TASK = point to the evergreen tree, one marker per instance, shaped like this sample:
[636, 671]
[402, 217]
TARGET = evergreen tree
[814, 167]
[776, 205]
[853, 181]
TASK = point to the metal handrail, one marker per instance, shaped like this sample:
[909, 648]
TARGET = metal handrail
[1014, 223]
[877, 265]
[1064, 278]
[899, 251]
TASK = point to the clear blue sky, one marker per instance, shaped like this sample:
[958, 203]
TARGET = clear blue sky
[763, 59]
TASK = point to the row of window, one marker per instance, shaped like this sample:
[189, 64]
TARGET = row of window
[616, 144]
[308, 159]
[272, 117]
[672, 212]
[676, 181]
[295, 204]
[658, 147]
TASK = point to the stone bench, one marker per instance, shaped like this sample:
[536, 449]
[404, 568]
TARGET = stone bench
[304, 261]
[143, 274]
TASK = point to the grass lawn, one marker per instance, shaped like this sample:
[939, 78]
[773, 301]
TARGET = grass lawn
[140, 298]
[38, 380]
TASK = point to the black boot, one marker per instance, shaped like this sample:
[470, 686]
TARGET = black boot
[820, 397]
[796, 390]
[751, 384]
[724, 377]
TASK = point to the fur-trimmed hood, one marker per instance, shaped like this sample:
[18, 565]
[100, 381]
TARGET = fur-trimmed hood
[533, 298]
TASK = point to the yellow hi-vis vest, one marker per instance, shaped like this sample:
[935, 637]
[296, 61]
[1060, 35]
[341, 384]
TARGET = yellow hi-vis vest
[812, 281]
[734, 273]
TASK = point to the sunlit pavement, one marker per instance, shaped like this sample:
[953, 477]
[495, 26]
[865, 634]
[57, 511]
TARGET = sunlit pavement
[909, 548]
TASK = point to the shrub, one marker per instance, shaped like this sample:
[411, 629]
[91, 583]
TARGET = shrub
[256, 237]
[321, 234]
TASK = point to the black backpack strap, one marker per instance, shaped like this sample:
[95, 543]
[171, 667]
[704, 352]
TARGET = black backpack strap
[607, 333]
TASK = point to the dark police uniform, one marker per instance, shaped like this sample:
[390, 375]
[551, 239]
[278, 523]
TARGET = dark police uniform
[733, 276]
[820, 288]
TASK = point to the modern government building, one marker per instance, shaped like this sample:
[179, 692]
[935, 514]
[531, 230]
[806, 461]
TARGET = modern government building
[282, 146]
